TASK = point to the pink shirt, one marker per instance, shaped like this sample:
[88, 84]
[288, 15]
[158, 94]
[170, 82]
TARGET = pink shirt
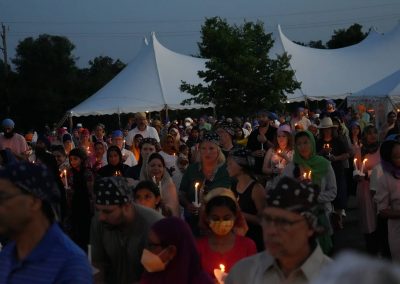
[16, 144]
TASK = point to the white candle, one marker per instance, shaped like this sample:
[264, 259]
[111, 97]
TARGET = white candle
[89, 253]
[309, 175]
[154, 179]
[196, 193]
[65, 178]
[363, 165]
[262, 146]
[355, 164]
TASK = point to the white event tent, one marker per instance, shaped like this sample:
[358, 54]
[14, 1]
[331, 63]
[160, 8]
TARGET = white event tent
[337, 73]
[382, 96]
[150, 82]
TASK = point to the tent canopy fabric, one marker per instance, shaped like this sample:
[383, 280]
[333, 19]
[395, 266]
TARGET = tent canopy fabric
[337, 73]
[150, 82]
[382, 96]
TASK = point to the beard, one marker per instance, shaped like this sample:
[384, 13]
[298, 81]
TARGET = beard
[9, 134]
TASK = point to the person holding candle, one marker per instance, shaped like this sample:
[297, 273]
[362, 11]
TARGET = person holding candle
[85, 142]
[225, 242]
[367, 158]
[154, 168]
[79, 199]
[305, 159]
[251, 194]
[355, 144]
[136, 146]
[385, 180]
[170, 255]
[115, 165]
[334, 149]
[279, 156]
[68, 143]
[261, 139]
[210, 172]
[61, 157]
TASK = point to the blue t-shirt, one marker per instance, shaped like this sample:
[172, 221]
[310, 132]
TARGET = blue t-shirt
[55, 259]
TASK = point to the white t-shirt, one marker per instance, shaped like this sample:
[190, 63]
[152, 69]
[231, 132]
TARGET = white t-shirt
[16, 144]
[130, 158]
[149, 132]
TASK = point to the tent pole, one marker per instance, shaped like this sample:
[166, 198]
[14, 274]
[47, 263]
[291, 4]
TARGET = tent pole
[119, 119]
[166, 114]
[71, 123]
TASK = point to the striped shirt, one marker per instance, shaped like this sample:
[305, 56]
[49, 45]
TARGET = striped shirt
[55, 259]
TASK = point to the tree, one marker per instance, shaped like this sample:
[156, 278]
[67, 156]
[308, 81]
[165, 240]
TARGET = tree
[240, 77]
[46, 79]
[343, 38]
[101, 70]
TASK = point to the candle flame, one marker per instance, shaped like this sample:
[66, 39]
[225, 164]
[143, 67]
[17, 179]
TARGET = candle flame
[222, 267]
[196, 185]
[304, 175]
[365, 160]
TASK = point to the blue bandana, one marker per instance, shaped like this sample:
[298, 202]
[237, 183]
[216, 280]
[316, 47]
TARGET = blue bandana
[34, 179]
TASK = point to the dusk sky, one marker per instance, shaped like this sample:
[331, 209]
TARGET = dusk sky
[116, 28]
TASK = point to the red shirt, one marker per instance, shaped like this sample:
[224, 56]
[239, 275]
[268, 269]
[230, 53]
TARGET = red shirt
[210, 259]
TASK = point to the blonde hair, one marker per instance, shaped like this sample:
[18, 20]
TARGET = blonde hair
[221, 157]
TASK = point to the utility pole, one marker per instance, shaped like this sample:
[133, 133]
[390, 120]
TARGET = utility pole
[4, 48]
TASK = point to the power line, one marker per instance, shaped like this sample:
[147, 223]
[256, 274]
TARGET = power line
[202, 19]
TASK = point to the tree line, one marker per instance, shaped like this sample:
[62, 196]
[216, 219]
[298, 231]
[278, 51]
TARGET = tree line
[240, 77]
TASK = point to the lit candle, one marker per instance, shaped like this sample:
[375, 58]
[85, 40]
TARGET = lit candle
[222, 267]
[196, 193]
[309, 175]
[363, 165]
[355, 164]
[279, 158]
[304, 175]
[65, 178]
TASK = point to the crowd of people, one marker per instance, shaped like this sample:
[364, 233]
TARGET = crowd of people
[229, 200]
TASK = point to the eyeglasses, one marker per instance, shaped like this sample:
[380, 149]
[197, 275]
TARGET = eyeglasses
[5, 197]
[280, 223]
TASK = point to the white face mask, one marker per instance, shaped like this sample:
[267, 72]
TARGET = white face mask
[152, 262]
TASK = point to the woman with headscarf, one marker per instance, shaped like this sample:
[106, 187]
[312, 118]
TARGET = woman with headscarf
[386, 180]
[171, 256]
[367, 158]
[309, 166]
[147, 146]
[201, 177]
[154, 170]
[250, 193]
[79, 194]
[115, 164]
[225, 244]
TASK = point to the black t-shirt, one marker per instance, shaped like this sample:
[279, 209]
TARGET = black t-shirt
[253, 144]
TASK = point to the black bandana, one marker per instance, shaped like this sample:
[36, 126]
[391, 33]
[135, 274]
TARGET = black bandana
[211, 137]
[112, 191]
[243, 157]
